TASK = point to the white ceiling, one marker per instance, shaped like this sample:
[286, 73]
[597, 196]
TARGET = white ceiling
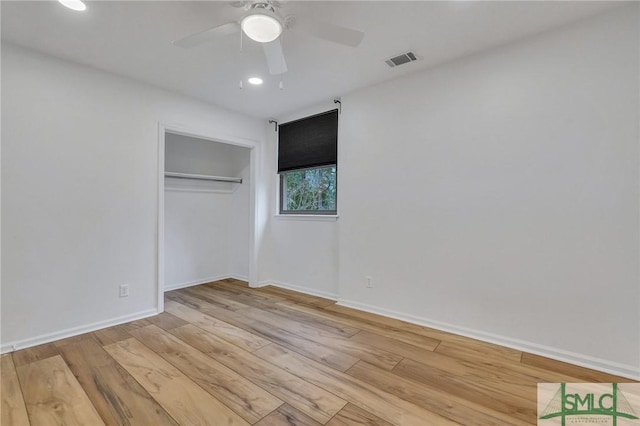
[134, 39]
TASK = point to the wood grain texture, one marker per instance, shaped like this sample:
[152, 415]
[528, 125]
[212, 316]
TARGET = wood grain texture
[211, 297]
[117, 396]
[393, 345]
[273, 304]
[248, 400]
[430, 397]
[35, 353]
[306, 299]
[53, 396]
[459, 383]
[286, 415]
[380, 403]
[185, 401]
[224, 353]
[14, 412]
[74, 339]
[581, 373]
[228, 332]
[357, 349]
[397, 326]
[470, 349]
[294, 390]
[108, 336]
[351, 415]
[321, 353]
[166, 321]
[420, 341]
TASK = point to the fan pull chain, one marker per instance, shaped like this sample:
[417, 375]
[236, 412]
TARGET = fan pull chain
[240, 85]
[281, 61]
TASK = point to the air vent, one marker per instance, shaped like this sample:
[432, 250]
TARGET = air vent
[405, 58]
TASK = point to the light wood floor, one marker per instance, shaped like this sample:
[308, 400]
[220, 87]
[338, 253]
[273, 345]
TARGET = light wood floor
[224, 354]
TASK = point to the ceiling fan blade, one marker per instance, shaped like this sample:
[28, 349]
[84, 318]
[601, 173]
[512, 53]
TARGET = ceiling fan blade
[207, 35]
[275, 57]
[327, 31]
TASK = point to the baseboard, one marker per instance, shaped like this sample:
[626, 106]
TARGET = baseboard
[74, 331]
[304, 290]
[603, 365]
[196, 282]
[239, 277]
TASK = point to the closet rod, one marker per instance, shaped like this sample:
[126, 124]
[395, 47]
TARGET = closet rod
[202, 177]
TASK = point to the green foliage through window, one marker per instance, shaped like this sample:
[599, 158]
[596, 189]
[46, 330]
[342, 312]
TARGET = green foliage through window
[309, 191]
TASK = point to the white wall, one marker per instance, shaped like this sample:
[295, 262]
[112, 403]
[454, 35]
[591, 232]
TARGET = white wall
[495, 196]
[499, 194]
[79, 189]
[302, 252]
[238, 265]
[206, 222]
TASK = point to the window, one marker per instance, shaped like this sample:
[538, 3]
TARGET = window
[310, 191]
[307, 164]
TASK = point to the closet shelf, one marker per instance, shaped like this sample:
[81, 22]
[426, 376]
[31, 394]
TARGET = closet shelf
[203, 177]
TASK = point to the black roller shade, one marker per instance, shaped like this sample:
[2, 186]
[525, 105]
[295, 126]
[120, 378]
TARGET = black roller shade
[308, 142]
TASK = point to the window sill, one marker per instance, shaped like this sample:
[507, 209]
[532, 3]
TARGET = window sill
[308, 217]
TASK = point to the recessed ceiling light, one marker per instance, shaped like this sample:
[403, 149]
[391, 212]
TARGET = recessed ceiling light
[255, 80]
[76, 5]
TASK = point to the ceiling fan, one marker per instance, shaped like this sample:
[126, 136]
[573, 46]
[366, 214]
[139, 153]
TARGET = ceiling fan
[261, 22]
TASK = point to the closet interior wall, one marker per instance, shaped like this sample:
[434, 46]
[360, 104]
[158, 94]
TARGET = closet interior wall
[206, 222]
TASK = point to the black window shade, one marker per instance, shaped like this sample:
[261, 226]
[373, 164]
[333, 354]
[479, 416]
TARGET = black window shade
[308, 142]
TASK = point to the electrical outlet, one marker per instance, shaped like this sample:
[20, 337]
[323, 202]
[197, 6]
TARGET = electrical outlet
[124, 291]
[369, 281]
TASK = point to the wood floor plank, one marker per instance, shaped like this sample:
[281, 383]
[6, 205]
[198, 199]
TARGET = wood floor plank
[518, 379]
[273, 304]
[166, 321]
[228, 332]
[306, 299]
[351, 415]
[431, 398]
[244, 295]
[116, 395]
[110, 335]
[35, 353]
[74, 339]
[185, 401]
[331, 357]
[357, 349]
[306, 397]
[286, 415]
[248, 400]
[580, 373]
[224, 353]
[467, 386]
[382, 404]
[471, 349]
[53, 396]
[392, 345]
[14, 412]
[424, 342]
[210, 297]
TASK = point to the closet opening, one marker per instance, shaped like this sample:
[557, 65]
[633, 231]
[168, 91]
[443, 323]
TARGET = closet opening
[206, 219]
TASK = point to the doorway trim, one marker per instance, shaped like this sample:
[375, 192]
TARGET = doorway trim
[213, 136]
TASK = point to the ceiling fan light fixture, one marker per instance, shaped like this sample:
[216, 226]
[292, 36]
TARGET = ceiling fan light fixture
[76, 5]
[261, 26]
[256, 81]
